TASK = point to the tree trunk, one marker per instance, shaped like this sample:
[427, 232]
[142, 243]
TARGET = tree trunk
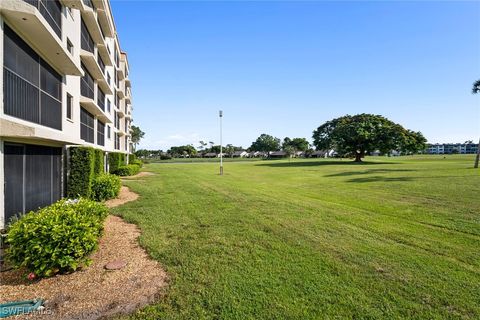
[358, 156]
[477, 158]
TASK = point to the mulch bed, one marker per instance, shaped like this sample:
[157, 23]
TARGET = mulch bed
[94, 292]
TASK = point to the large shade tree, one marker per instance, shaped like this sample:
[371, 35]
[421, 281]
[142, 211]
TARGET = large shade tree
[475, 90]
[265, 143]
[359, 134]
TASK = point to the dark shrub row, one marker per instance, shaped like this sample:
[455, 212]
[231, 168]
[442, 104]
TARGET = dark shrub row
[87, 178]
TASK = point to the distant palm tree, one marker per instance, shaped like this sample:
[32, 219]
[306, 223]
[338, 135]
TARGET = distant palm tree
[476, 87]
[475, 90]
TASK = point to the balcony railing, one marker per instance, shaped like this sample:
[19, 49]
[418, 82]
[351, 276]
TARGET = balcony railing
[86, 39]
[51, 10]
[88, 3]
[26, 101]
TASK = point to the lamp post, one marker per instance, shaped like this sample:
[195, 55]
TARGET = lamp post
[220, 114]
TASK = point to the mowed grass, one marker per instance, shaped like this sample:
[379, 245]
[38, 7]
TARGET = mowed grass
[392, 238]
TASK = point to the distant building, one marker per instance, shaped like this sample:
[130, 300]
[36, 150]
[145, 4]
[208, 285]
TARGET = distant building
[240, 154]
[278, 154]
[210, 155]
[452, 148]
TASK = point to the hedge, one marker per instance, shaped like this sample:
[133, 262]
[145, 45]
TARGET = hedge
[58, 238]
[115, 160]
[81, 172]
[99, 162]
[105, 186]
[128, 170]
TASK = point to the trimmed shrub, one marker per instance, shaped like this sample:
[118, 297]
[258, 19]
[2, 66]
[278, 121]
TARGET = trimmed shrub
[99, 162]
[137, 162]
[132, 157]
[115, 160]
[57, 238]
[81, 172]
[105, 186]
[128, 170]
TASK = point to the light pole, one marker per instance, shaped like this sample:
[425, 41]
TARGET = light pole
[220, 114]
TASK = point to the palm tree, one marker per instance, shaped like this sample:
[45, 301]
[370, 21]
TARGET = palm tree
[475, 90]
[476, 87]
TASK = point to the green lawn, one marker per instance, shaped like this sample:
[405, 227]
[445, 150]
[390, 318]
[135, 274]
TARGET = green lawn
[392, 238]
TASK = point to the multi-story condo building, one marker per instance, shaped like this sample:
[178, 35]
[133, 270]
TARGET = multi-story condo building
[449, 148]
[65, 82]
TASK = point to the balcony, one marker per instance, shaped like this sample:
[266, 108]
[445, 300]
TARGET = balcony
[120, 70]
[128, 97]
[95, 70]
[90, 105]
[38, 32]
[128, 83]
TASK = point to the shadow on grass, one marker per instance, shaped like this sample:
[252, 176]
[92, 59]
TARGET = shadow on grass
[275, 164]
[380, 179]
[368, 171]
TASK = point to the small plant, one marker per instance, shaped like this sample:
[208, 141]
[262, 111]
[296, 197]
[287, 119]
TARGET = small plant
[128, 170]
[105, 186]
[56, 239]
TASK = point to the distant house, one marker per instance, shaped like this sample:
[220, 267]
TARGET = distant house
[210, 155]
[299, 154]
[319, 154]
[278, 154]
[256, 154]
[324, 154]
[240, 154]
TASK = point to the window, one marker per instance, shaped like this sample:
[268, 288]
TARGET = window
[87, 84]
[101, 63]
[101, 99]
[32, 89]
[126, 143]
[108, 132]
[115, 96]
[51, 11]
[86, 39]
[116, 120]
[69, 46]
[108, 106]
[109, 79]
[117, 141]
[86, 126]
[69, 106]
[100, 133]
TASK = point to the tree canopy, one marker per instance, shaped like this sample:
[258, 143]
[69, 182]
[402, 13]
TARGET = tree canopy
[476, 87]
[182, 151]
[297, 144]
[265, 143]
[137, 135]
[356, 135]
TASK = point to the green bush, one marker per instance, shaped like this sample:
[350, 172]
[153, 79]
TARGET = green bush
[99, 162]
[132, 157]
[105, 186]
[57, 238]
[115, 160]
[136, 162]
[128, 170]
[81, 172]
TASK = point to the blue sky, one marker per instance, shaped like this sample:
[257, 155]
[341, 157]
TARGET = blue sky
[284, 68]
